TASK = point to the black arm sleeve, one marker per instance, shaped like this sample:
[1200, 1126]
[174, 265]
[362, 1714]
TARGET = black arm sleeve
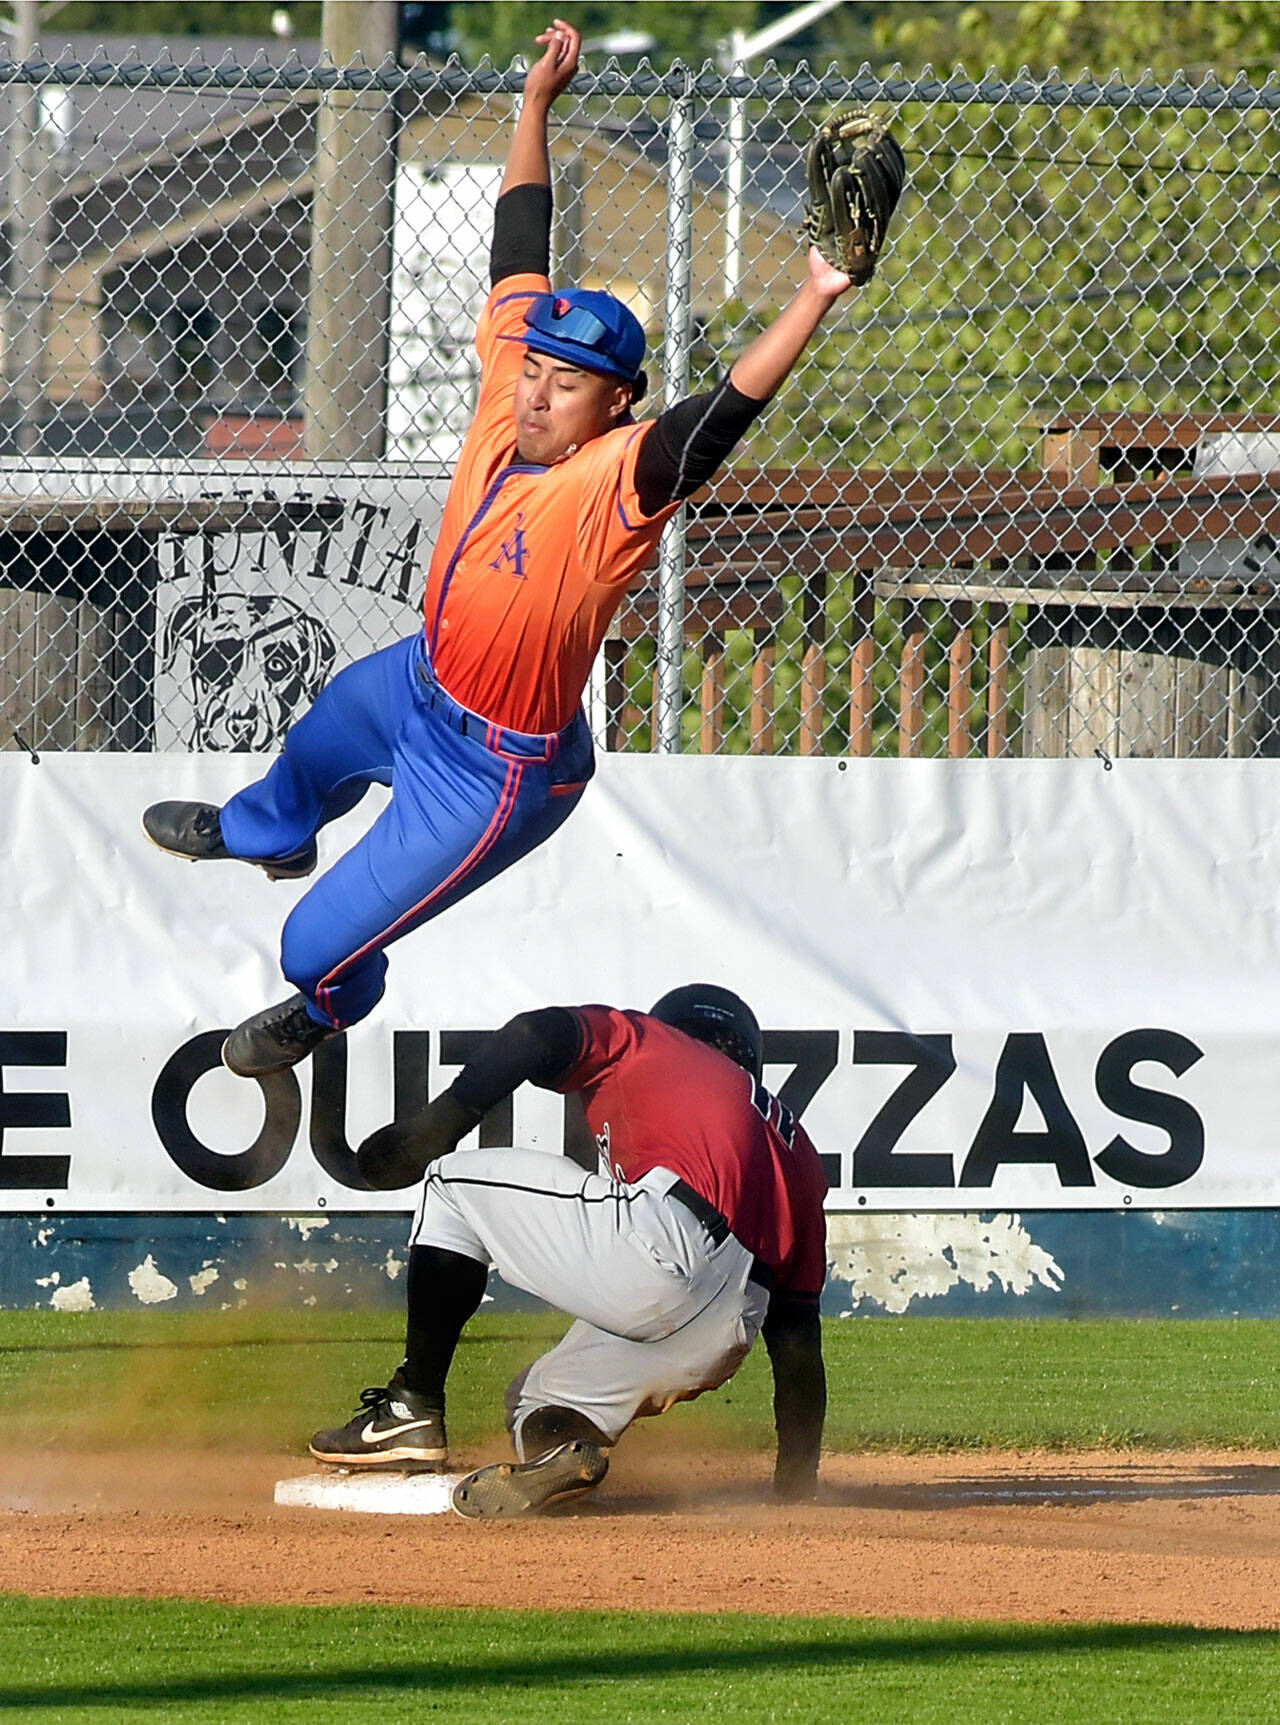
[684, 446]
[532, 1048]
[792, 1333]
[521, 242]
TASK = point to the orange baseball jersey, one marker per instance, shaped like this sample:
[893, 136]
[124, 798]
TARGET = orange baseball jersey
[531, 562]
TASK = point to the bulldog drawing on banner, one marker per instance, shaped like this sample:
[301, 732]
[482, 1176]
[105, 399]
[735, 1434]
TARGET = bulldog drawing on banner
[253, 661]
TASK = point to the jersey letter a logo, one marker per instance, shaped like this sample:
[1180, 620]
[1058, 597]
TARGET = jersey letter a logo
[512, 554]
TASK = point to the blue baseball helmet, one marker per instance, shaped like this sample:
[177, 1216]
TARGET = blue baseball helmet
[592, 330]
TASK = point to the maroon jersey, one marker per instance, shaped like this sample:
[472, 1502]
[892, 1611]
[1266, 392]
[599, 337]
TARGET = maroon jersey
[655, 1098]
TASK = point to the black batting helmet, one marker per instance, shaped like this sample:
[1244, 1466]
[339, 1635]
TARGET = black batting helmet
[716, 1016]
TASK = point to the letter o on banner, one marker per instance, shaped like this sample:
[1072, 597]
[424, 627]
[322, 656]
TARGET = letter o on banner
[244, 1169]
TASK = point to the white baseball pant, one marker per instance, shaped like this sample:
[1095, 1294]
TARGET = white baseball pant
[664, 1310]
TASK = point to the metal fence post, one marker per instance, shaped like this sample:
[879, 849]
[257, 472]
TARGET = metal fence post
[675, 383]
[735, 173]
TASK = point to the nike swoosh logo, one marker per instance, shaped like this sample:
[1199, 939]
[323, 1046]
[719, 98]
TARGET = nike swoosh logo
[372, 1435]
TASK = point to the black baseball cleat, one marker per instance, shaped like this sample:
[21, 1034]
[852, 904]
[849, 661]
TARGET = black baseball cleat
[393, 1429]
[519, 1488]
[274, 1039]
[194, 831]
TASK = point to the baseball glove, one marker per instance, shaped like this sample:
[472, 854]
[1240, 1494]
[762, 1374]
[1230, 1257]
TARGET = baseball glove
[856, 175]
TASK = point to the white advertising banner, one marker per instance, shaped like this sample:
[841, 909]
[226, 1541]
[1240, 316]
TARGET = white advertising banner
[987, 985]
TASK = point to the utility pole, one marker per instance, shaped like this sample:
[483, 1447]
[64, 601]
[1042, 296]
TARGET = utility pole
[349, 308]
[25, 304]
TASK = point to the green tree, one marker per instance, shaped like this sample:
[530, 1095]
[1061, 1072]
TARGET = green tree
[1131, 36]
[1054, 257]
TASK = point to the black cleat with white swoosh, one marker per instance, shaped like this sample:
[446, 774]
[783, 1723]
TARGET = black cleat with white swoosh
[394, 1429]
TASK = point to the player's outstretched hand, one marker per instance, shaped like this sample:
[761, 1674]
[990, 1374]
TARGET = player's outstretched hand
[829, 281]
[553, 73]
[398, 1155]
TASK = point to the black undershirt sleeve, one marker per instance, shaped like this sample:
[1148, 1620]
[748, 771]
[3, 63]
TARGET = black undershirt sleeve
[792, 1333]
[532, 1048]
[685, 445]
[521, 242]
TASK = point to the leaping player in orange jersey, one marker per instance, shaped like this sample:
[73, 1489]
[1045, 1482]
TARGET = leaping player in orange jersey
[556, 507]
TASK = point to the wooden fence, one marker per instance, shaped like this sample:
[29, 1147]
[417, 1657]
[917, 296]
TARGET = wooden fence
[1060, 593]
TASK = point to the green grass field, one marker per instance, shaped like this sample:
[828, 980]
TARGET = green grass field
[265, 1380]
[126, 1660]
[913, 1384]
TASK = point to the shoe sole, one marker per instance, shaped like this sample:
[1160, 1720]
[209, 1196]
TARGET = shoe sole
[288, 868]
[510, 1489]
[282, 870]
[401, 1460]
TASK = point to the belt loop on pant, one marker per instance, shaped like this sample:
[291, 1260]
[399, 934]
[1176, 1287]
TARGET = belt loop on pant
[717, 1227]
[518, 745]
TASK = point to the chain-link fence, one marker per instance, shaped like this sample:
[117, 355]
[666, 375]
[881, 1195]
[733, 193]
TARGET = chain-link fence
[1019, 498]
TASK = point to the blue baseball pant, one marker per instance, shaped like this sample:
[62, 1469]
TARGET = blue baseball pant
[468, 799]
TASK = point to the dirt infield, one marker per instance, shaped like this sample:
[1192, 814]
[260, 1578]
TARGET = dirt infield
[1190, 1538]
